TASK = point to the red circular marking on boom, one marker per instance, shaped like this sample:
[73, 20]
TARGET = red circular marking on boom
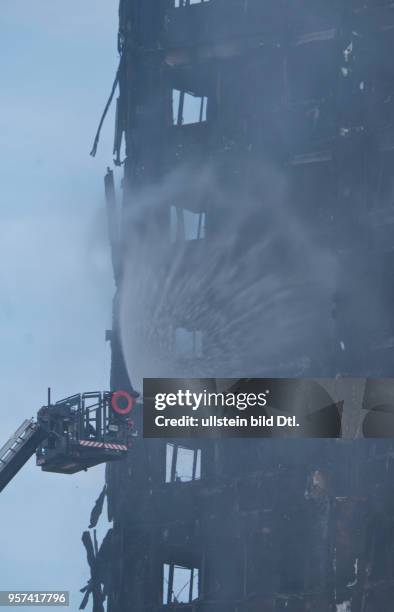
[130, 402]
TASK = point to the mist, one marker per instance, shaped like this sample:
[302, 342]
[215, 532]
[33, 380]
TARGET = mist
[264, 305]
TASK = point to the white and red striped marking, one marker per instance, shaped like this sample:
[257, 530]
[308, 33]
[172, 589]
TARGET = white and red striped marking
[91, 443]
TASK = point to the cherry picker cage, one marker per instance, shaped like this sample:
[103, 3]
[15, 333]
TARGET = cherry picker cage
[71, 435]
[83, 430]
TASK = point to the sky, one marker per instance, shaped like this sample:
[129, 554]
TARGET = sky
[57, 64]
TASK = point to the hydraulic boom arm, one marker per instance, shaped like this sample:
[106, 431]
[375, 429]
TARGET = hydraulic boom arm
[18, 450]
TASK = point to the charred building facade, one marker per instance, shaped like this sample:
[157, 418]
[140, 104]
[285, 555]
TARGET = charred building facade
[256, 239]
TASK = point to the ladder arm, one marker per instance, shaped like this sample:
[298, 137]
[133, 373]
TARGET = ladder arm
[18, 450]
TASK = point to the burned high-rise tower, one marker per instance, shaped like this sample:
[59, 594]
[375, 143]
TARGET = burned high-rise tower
[256, 239]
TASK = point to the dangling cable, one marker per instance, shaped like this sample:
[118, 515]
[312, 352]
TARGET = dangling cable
[111, 96]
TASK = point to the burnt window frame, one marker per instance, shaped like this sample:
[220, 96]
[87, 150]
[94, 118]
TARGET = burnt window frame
[169, 597]
[171, 470]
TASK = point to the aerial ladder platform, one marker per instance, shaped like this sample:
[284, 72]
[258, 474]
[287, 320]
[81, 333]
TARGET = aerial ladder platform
[71, 435]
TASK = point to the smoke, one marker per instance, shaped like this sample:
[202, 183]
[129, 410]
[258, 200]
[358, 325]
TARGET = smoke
[257, 290]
